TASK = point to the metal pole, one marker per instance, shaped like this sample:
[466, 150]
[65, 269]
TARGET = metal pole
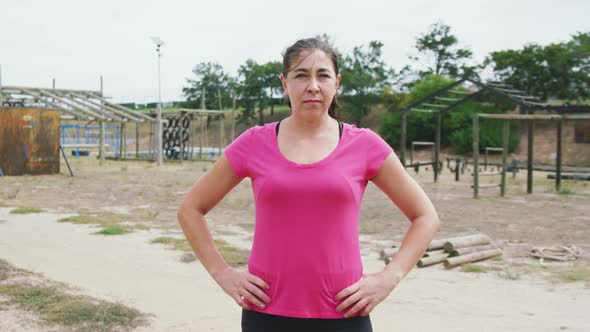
[101, 132]
[159, 114]
[53, 85]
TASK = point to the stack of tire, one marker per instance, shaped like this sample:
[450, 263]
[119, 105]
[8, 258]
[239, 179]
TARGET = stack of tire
[175, 137]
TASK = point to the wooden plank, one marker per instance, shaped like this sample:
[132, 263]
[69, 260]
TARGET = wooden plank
[490, 185]
[446, 99]
[524, 117]
[487, 173]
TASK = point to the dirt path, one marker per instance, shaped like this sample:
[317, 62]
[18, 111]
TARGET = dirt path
[182, 297]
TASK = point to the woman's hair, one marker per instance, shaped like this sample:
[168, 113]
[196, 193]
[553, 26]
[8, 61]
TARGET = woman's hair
[311, 44]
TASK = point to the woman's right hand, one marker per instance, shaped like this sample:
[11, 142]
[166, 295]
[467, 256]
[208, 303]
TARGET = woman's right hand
[243, 287]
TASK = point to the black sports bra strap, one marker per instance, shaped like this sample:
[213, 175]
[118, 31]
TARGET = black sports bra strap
[340, 127]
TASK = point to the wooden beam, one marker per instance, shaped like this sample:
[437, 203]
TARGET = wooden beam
[526, 117]
[437, 145]
[558, 157]
[529, 179]
[505, 138]
[403, 137]
[475, 155]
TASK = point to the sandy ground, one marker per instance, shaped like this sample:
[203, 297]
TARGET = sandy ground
[182, 297]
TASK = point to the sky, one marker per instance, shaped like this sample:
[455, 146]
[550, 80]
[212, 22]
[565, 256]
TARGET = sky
[77, 42]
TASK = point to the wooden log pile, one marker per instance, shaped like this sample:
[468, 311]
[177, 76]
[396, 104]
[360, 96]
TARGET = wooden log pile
[453, 252]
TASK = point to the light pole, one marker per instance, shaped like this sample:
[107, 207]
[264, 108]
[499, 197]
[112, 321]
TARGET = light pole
[159, 43]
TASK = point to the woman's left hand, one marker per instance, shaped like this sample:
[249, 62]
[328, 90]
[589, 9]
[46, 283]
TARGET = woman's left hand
[367, 293]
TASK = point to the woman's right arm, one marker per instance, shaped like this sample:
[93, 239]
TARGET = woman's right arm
[209, 190]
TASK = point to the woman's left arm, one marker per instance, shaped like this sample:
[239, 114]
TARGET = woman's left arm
[407, 195]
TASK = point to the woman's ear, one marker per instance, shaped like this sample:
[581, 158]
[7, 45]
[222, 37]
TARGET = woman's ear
[338, 79]
[284, 84]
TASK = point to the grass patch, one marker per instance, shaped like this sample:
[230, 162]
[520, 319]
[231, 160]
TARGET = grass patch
[80, 313]
[113, 230]
[566, 191]
[105, 220]
[134, 220]
[473, 268]
[232, 255]
[573, 273]
[25, 210]
[173, 243]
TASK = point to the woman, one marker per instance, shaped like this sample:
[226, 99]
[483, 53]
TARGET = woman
[308, 174]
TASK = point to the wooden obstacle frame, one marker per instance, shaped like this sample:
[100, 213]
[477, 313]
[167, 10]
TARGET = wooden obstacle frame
[530, 119]
[446, 98]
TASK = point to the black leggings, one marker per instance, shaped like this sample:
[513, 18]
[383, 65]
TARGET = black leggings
[253, 321]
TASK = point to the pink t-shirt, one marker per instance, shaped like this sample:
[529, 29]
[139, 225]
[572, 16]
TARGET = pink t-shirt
[306, 243]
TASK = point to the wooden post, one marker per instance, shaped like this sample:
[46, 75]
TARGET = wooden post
[466, 241]
[475, 156]
[469, 250]
[201, 138]
[151, 148]
[101, 143]
[403, 138]
[427, 261]
[233, 117]
[137, 140]
[191, 133]
[469, 258]
[437, 145]
[558, 157]
[504, 156]
[529, 179]
[121, 139]
[220, 133]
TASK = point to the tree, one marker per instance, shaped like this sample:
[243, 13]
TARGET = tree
[210, 85]
[559, 70]
[439, 49]
[272, 82]
[364, 76]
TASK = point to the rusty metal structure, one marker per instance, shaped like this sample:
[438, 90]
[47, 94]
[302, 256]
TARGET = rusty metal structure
[80, 105]
[29, 141]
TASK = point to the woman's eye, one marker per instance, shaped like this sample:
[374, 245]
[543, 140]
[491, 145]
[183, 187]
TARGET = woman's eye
[300, 75]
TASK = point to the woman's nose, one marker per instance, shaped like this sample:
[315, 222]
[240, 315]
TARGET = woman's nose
[313, 86]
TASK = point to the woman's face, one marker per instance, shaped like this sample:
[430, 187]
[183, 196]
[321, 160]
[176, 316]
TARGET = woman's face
[311, 83]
